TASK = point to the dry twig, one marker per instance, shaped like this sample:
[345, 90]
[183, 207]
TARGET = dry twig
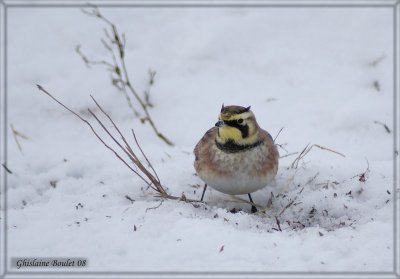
[147, 175]
[17, 134]
[287, 206]
[307, 149]
[384, 126]
[287, 155]
[278, 223]
[378, 60]
[6, 168]
[278, 134]
[311, 179]
[115, 45]
[282, 146]
[155, 207]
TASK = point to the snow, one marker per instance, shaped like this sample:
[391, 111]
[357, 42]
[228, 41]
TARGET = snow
[308, 70]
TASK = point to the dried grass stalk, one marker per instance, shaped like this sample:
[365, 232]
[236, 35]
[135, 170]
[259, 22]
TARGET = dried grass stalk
[115, 45]
[146, 174]
[306, 150]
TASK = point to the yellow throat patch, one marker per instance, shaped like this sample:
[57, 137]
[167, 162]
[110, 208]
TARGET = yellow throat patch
[226, 132]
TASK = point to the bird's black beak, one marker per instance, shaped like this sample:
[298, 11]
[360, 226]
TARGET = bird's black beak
[220, 123]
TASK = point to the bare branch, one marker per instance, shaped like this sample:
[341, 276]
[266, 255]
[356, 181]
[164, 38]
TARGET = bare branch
[143, 173]
[327, 149]
[155, 207]
[307, 149]
[286, 207]
[311, 179]
[384, 126]
[278, 134]
[89, 62]
[295, 163]
[378, 60]
[6, 168]
[192, 201]
[287, 155]
[116, 43]
[93, 130]
[111, 136]
[282, 146]
[147, 92]
[144, 155]
[129, 152]
[17, 134]
[278, 223]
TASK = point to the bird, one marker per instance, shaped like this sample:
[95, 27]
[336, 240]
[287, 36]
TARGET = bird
[236, 156]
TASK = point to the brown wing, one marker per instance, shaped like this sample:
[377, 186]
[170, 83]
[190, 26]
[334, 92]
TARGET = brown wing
[271, 162]
[203, 147]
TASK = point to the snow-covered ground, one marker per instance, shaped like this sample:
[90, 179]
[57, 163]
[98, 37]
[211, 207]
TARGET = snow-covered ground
[324, 74]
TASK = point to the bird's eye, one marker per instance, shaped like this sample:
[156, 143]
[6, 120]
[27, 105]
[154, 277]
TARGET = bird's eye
[240, 121]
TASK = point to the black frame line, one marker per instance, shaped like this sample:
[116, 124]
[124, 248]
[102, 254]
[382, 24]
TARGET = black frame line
[7, 4]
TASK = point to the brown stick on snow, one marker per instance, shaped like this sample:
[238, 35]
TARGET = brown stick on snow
[94, 132]
[145, 174]
[119, 73]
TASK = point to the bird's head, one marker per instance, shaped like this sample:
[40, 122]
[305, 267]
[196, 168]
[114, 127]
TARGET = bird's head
[237, 124]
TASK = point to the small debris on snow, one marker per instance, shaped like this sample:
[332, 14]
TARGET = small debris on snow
[53, 183]
[376, 85]
[129, 198]
[6, 168]
[79, 205]
[384, 126]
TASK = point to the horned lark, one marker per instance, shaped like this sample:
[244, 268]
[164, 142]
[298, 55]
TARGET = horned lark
[236, 157]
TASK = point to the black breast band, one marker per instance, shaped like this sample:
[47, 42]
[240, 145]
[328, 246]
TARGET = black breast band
[231, 147]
